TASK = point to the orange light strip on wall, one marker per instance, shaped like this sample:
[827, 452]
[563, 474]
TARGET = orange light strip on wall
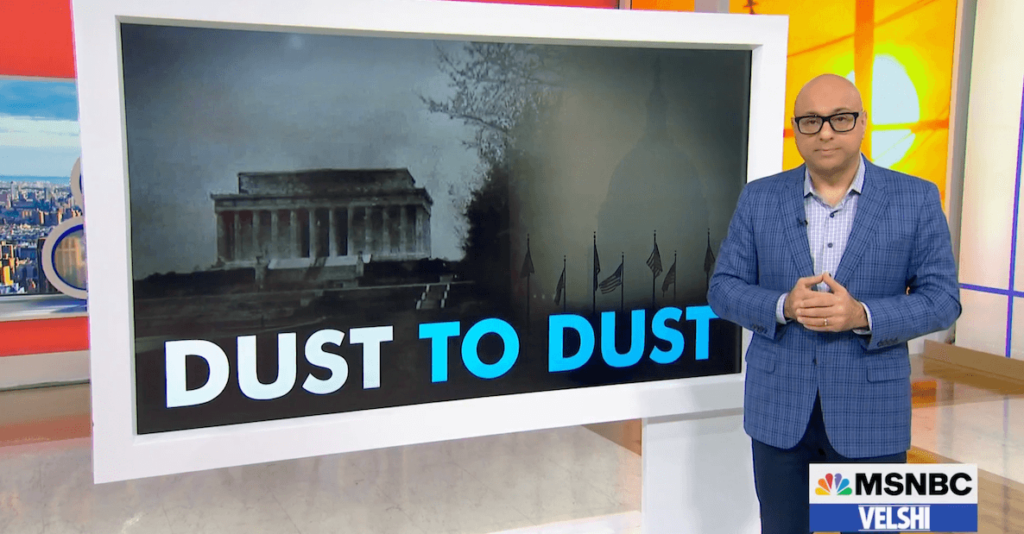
[664, 5]
[58, 429]
[43, 336]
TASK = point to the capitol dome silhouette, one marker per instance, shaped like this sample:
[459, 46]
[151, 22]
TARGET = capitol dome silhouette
[655, 187]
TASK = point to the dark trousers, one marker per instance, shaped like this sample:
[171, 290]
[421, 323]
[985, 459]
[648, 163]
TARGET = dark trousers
[781, 476]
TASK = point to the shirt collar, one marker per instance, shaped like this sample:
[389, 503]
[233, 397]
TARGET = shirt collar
[856, 186]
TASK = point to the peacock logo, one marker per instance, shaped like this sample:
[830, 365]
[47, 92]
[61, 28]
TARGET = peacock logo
[833, 485]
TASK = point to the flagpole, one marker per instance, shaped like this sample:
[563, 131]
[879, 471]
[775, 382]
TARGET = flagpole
[593, 294]
[654, 277]
[565, 288]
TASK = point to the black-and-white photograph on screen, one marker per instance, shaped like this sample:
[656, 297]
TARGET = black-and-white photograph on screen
[295, 196]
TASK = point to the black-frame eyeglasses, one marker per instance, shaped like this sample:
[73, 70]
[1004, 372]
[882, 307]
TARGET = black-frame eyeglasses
[839, 122]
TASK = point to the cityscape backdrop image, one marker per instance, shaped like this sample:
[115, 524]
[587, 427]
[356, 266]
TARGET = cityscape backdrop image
[289, 183]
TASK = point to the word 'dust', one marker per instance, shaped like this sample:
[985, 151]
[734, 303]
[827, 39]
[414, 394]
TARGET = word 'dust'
[217, 361]
[558, 361]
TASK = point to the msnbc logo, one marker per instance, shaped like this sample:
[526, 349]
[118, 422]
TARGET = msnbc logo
[893, 497]
[833, 485]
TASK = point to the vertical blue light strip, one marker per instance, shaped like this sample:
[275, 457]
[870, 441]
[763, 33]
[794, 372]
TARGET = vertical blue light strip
[1013, 235]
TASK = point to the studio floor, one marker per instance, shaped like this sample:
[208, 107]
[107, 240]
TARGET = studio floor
[565, 481]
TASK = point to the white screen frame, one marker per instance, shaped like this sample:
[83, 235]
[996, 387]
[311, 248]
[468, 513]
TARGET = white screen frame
[120, 454]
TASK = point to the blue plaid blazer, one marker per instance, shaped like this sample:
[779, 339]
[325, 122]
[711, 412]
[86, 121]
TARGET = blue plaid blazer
[898, 261]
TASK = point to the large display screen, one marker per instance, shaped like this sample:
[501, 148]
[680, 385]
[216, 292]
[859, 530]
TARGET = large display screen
[334, 223]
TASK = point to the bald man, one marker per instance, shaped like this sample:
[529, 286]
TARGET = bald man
[833, 266]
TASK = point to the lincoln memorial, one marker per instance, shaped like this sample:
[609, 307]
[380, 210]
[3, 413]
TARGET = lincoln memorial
[323, 218]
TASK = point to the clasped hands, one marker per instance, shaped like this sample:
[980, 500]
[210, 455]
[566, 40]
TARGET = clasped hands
[821, 311]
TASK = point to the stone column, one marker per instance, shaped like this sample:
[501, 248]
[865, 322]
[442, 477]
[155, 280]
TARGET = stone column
[255, 233]
[348, 241]
[403, 229]
[368, 246]
[236, 226]
[275, 233]
[426, 231]
[311, 215]
[332, 233]
[222, 238]
[296, 235]
[385, 229]
[420, 224]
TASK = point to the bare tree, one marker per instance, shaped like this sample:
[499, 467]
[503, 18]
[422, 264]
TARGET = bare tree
[499, 89]
[495, 86]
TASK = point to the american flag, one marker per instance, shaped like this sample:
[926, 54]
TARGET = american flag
[654, 261]
[612, 282]
[709, 256]
[670, 278]
[527, 269]
[560, 288]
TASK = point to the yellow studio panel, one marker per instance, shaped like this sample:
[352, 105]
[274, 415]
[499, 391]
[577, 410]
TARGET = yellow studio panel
[927, 158]
[911, 45]
[813, 25]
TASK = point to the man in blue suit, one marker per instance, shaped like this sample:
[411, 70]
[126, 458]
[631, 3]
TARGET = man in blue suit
[833, 266]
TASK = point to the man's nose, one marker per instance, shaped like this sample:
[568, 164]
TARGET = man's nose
[826, 131]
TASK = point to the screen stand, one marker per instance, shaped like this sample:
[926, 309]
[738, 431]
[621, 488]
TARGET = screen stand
[698, 475]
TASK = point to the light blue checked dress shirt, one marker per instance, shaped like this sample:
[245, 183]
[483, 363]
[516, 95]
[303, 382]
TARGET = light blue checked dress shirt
[828, 230]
